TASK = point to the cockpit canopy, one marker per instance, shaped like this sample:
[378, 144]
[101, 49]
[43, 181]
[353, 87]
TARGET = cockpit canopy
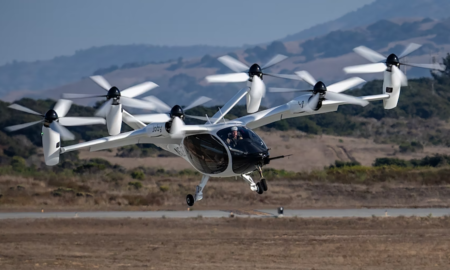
[247, 149]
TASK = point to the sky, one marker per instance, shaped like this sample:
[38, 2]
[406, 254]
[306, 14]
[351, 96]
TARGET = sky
[42, 29]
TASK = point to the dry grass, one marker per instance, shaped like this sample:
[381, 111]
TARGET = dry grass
[241, 243]
[170, 193]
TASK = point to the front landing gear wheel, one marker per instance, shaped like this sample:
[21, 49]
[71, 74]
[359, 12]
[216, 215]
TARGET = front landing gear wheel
[259, 188]
[190, 200]
[264, 184]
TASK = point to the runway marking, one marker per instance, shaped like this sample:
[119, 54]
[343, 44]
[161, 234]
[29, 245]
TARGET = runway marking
[248, 212]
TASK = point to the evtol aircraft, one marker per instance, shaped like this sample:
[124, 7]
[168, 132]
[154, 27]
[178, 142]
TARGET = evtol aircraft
[219, 147]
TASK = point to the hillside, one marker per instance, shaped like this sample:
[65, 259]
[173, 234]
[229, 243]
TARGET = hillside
[324, 57]
[40, 75]
[378, 10]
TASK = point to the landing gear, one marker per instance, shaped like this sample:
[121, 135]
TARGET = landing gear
[259, 188]
[263, 180]
[198, 192]
[264, 184]
[190, 200]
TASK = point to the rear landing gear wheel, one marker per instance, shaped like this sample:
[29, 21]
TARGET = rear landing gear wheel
[259, 188]
[190, 200]
[264, 184]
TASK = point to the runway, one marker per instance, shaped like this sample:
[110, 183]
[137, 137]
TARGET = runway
[267, 213]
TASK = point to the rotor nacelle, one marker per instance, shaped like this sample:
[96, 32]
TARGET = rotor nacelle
[255, 70]
[114, 93]
[319, 87]
[49, 117]
[177, 111]
[392, 60]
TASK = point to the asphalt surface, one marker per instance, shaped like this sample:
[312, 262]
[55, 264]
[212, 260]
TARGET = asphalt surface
[316, 213]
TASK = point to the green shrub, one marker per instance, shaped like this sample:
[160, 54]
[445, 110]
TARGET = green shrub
[379, 162]
[18, 164]
[138, 175]
[410, 147]
[164, 188]
[135, 184]
[341, 164]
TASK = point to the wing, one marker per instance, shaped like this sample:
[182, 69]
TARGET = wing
[123, 139]
[284, 112]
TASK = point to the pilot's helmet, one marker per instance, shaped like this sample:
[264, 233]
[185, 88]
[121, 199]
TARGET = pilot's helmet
[234, 128]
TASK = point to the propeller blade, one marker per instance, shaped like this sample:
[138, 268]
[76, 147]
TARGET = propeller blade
[199, 101]
[435, 66]
[304, 75]
[136, 103]
[104, 109]
[177, 128]
[233, 64]
[138, 90]
[21, 126]
[62, 107]
[275, 60]
[74, 96]
[81, 121]
[65, 134]
[369, 54]
[409, 49]
[346, 98]
[153, 118]
[101, 82]
[160, 105]
[203, 118]
[369, 68]
[287, 90]
[226, 78]
[345, 85]
[23, 109]
[312, 104]
[284, 76]
[398, 77]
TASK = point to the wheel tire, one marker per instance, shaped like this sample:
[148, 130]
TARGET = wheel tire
[190, 200]
[259, 188]
[264, 184]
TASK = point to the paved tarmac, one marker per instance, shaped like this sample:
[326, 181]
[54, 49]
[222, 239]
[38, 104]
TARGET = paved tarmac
[304, 213]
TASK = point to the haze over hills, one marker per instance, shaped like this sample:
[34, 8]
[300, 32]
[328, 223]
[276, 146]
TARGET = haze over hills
[183, 78]
[378, 10]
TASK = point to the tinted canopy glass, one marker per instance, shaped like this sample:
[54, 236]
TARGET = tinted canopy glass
[247, 149]
[206, 153]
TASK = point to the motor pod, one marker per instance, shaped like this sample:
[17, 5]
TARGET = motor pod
[299, 104]
[51, 143]
[391, 89]
[256, 93]
[114, 119]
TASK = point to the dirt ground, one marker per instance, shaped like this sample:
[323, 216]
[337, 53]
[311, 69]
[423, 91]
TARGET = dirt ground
[240, 243]
[308, 152]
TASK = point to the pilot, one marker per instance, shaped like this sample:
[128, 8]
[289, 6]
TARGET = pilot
[233, 137]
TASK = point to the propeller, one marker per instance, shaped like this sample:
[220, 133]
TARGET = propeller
[115, 96]
[244, 72]
[56, 118]
[253, 74]
[321, 92]
[167, 113]
[391, 63]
